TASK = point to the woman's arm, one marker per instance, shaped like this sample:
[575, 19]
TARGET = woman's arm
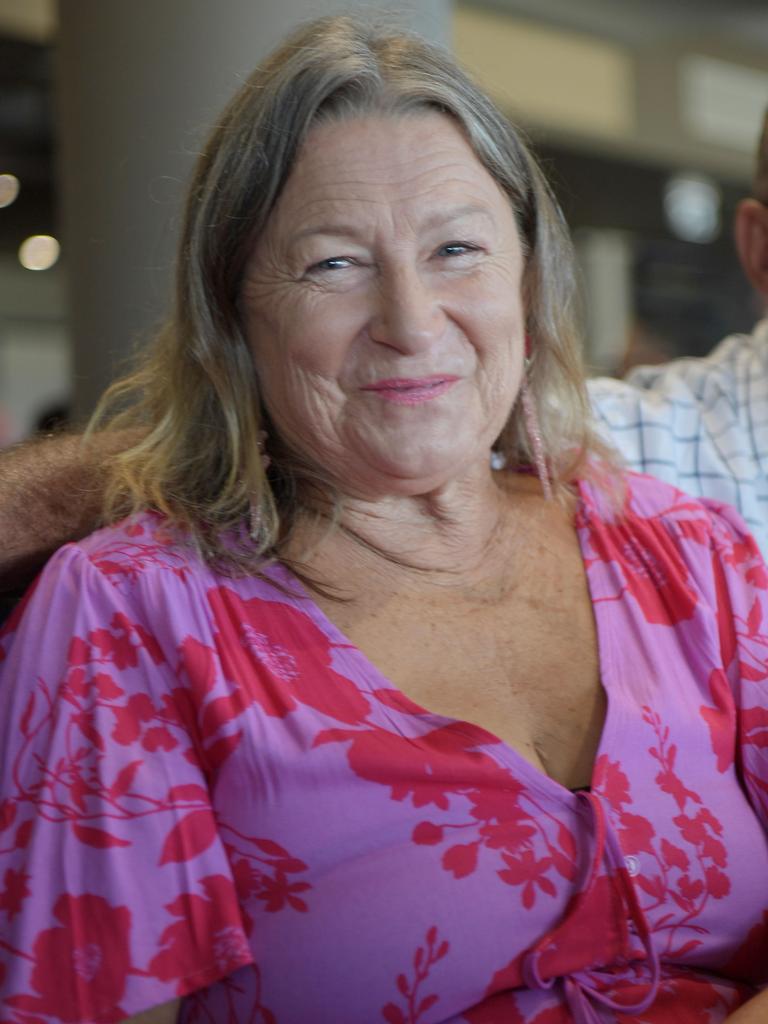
[69, 708]
[168, 1013]
[753, 1012]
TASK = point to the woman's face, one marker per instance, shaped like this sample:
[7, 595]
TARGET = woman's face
[383, 305]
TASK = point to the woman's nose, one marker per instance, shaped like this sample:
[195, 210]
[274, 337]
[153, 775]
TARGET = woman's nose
[408, 316]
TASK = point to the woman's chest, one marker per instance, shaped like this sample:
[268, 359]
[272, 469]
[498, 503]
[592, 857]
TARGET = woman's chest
[526, 669]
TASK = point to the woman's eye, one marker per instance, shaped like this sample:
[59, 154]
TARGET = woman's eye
[332, 263]
[457, 249]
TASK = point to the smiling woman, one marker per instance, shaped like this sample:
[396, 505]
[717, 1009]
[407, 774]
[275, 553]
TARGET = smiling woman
[384, 310]
[246, 202]
[348, 720]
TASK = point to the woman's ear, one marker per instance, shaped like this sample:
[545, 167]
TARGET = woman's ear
[751, 235]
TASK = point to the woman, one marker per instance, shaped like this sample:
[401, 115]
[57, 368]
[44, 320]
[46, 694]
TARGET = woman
[343, 723]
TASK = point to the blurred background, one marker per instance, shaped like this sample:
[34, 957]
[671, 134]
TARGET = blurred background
[645, 114]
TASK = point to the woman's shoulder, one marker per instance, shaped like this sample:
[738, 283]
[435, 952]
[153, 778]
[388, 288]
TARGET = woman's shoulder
[144, 543]
[110, 571]
[621, 495]
[132, 562]
[656, 513]
[670, 556]
[139, 530]
[148, 563]
[136, 575]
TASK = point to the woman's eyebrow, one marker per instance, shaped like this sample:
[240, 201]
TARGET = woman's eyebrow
[447, 216]
[335, 229]
[434, 220]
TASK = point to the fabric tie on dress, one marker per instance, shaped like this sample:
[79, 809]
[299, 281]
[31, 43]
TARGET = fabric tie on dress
[579, 988]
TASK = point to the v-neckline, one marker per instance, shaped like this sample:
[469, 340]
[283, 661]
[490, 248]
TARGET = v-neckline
[535, 777]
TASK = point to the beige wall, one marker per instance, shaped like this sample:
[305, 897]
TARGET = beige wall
[646, 99]
[28, 19]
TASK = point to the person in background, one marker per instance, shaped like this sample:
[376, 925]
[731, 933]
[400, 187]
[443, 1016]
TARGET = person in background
[392, 698]
[702, 424]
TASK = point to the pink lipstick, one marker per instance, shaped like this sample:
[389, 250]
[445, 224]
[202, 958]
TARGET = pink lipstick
[412, 390]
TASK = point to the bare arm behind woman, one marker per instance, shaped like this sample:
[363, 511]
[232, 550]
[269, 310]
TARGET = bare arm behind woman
[50, 493]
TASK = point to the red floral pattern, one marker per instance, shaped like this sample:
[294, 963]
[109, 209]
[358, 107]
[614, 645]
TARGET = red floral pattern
[689, 872]
[647, 556]
[414, 1003]
[211, 917]
[444, 763]
[209, 794]
[91, 938]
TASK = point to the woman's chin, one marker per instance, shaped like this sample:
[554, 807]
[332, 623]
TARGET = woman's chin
[407, 476]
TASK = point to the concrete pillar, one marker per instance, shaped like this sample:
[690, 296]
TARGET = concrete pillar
[605, 261]
[138, 85]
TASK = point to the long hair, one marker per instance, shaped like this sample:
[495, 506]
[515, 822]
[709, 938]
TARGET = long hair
[195, 392]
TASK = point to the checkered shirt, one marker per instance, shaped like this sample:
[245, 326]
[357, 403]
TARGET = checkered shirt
[700, 424]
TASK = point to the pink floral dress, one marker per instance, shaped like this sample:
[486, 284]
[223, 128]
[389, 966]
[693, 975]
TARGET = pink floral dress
[209, 793]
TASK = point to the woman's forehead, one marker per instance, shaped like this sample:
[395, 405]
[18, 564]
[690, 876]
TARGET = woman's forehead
[420, 162]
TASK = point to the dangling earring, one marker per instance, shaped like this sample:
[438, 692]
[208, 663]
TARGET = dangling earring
[533, 428]
[255, 514]
[255, 520]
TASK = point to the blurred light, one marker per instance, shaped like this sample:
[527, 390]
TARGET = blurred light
[38, 252]
[9, 189]
[692, 207]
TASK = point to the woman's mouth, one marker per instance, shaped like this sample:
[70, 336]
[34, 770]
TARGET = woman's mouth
[412, 390]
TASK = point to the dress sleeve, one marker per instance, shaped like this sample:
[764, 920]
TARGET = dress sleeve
[740, 697]
[115, 889]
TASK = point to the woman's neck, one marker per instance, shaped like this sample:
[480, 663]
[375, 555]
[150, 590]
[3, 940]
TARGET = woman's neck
[450, 537]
